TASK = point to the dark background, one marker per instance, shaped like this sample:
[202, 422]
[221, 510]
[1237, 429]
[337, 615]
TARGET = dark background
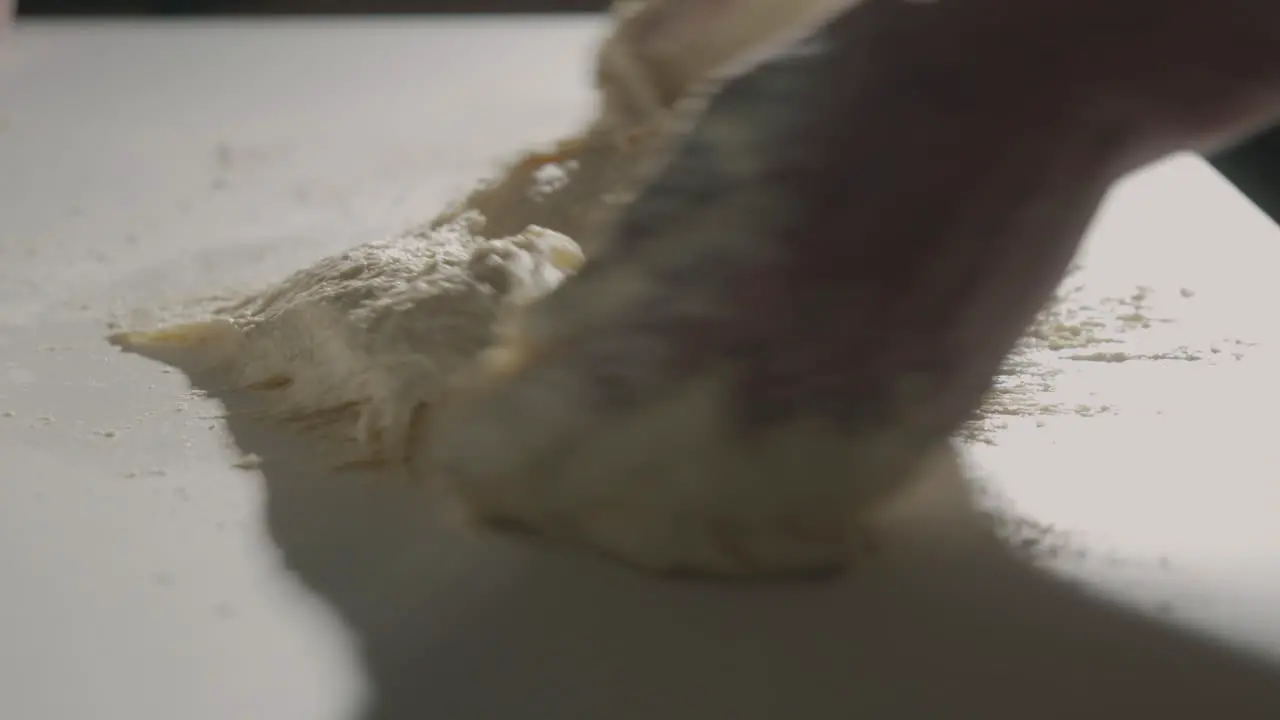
[255, 7]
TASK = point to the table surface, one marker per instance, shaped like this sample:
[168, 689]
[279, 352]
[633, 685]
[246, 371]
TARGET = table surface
[144, 576]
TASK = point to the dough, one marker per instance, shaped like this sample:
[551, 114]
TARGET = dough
[375, 335]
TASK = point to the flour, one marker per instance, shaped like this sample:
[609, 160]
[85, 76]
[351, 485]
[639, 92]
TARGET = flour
[1078, 326]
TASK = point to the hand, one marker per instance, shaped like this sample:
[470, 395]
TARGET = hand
[792, 319]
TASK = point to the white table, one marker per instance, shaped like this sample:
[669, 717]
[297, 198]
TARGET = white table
[144, 577]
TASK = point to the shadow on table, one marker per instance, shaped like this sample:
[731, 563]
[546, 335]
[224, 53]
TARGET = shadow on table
[491, 629]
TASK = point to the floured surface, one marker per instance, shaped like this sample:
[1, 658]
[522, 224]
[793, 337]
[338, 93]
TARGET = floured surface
[148, 577]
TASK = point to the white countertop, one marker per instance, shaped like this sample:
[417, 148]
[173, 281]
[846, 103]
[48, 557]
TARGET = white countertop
[143, 576]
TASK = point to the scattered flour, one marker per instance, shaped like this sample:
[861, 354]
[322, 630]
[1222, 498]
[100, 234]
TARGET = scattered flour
[1076, 328]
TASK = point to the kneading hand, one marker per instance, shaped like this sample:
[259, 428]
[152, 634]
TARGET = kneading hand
[790, 321]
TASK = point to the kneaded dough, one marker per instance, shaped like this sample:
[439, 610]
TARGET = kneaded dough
[378, 333]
